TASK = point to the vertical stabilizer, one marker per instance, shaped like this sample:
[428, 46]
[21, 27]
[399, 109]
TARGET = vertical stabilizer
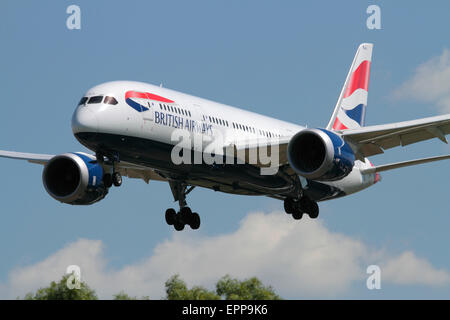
[350, 109]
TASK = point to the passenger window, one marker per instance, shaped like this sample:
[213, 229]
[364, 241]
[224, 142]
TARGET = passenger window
[110, 100]
[95, 99]
[83, 101]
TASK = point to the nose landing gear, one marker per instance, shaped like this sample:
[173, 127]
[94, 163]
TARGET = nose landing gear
[114, 178]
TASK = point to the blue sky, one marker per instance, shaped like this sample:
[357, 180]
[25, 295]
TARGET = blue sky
[283, 59]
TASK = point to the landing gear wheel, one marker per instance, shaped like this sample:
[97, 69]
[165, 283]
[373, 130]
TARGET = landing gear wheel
[195, 221]
[171, 216]
[289, 205]
[186, 214]
[314, 210]
[107, 180]
[179, 223]
[297, 215]
[178, 226]
[117, 179]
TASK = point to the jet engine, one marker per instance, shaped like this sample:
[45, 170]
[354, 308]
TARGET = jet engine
[319, 154]
[74, 178]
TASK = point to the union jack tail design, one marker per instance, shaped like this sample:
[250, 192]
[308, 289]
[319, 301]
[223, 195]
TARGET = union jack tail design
[350, 109]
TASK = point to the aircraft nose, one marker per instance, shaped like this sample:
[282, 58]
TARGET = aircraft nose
[84, 120]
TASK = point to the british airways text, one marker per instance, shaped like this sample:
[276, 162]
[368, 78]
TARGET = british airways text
[178, 122]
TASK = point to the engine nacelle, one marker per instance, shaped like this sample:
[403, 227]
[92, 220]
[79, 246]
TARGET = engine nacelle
[74, 178]
[319, 154]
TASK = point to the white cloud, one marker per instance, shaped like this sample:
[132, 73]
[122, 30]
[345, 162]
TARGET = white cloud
[430, 83]
[409, 269]
[299, 259]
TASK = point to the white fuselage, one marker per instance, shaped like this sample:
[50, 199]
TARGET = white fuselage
[137, 123]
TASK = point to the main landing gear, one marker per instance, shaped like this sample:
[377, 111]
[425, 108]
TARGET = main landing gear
[185, 216]
[298, 207]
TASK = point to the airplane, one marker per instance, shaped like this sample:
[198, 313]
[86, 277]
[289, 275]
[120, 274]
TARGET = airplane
[134, 130]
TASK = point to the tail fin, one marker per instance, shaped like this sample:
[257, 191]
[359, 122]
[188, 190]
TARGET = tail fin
[350, 109]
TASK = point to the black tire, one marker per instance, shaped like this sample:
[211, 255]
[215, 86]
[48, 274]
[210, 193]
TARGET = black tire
[314, 211]
[117, 179]
[195, 221]
[178, 226]
[107, 180]
[186, 214]
[179, 223]
[289, 205]
[304, 204]
[297, 215]
[170, 216]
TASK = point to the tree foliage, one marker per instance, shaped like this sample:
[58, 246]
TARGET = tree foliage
[176, 289]
[250, 289]
[123, 296]
[60, 291]
[226, 288]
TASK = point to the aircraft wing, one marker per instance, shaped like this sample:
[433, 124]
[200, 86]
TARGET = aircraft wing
[126, 169]
[403, 164]
[31, 157]
[372, 140]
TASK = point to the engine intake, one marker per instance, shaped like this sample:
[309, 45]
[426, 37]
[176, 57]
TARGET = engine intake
[319, 154]
[74, 178]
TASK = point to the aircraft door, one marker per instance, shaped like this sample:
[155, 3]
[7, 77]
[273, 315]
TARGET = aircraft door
[148, 116]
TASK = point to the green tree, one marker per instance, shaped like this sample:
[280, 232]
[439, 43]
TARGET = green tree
[176, 289]
[250, 289]
[123, 296]
[60, 291]
[226, 288]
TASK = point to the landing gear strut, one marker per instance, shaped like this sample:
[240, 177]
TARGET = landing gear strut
[185, 215]
[303, 205]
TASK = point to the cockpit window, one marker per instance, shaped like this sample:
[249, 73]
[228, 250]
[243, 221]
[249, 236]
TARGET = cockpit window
[83, 101]
[110, 100]
[95, 99]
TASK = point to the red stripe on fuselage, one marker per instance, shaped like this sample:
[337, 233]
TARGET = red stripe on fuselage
[359, 79]
[146, 95]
